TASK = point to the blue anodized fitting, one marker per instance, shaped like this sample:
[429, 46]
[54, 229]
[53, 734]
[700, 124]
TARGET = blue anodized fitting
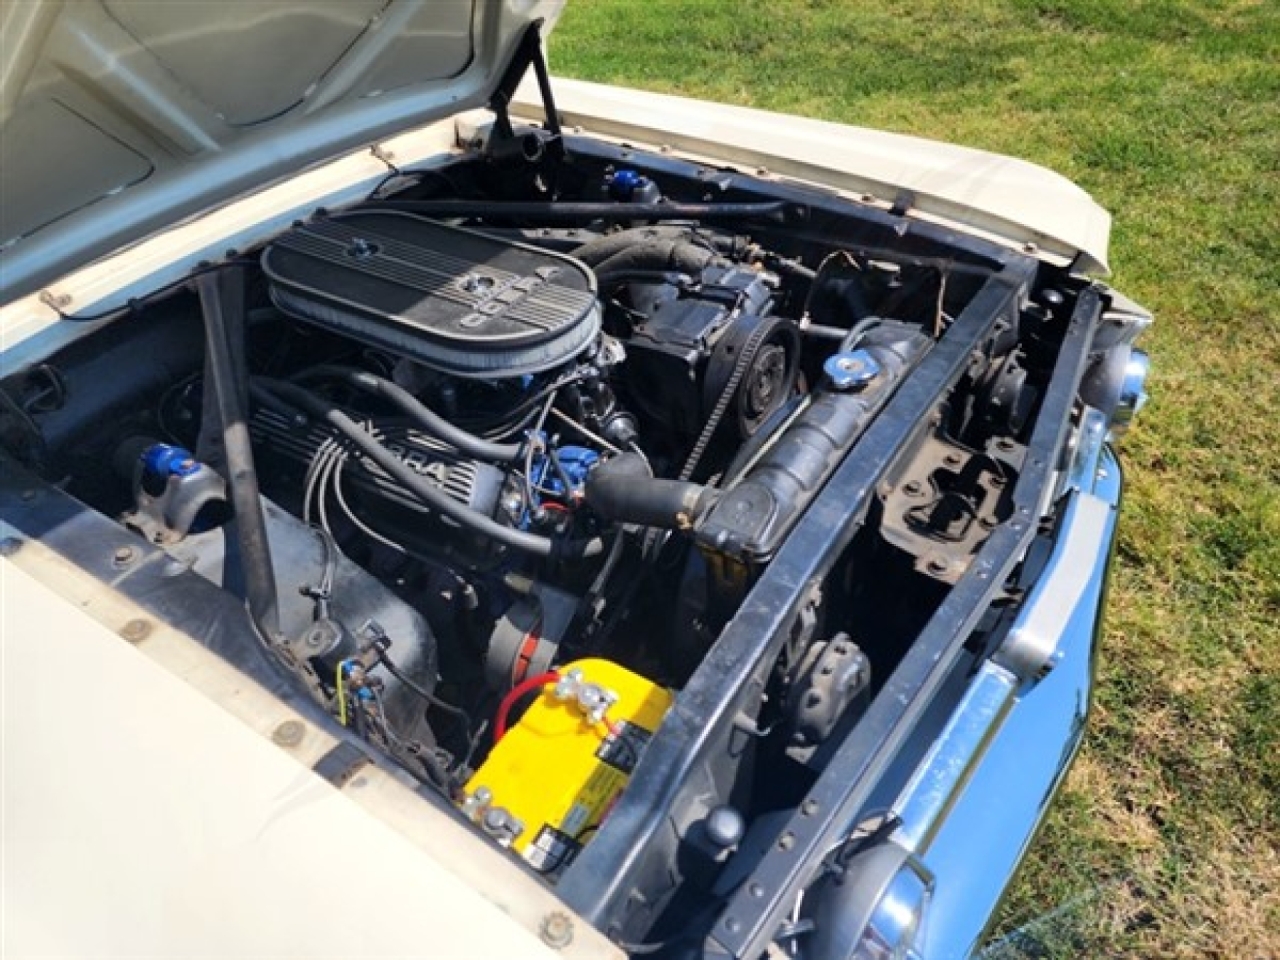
[851, 370]
[624, 184]
[165, 460]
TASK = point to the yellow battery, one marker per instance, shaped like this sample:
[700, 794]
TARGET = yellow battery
[551, 780]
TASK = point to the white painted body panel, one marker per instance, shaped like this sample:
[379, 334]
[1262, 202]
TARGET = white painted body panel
[144, 819]
[1002, 198]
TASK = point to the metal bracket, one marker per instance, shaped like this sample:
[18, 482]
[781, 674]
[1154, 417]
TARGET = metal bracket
[528, 54]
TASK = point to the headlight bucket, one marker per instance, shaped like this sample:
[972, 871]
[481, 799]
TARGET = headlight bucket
[1133, 393]
[873, 910]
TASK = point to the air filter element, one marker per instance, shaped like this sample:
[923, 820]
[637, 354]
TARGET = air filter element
[462, 302]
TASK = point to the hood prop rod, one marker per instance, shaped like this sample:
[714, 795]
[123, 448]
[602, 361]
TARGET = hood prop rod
[527, 54]
[222, 299]
[548, 152]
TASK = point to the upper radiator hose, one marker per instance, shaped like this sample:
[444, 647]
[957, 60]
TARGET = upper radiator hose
[622, 489]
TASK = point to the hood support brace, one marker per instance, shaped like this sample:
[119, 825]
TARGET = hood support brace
[528, 54]
[222, 301]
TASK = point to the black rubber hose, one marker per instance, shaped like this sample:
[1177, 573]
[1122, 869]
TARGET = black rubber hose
[678, 256]
[275, 393]
[420, 413]
[821, 331]
[668, 278]
[623, 490]
[847, 337]
[561, 211]
[602, 248]
[790, 267]
[219, 292]
[857, 331]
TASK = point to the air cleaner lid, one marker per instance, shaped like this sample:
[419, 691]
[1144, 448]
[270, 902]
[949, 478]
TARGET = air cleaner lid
[458, 300]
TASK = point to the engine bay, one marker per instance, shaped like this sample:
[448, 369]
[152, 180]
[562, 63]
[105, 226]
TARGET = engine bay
[496, 457]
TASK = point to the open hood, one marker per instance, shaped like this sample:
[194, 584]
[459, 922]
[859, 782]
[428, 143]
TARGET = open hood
[118, 117]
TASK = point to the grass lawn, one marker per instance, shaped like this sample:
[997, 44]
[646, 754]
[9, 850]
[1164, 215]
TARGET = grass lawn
[1166, 839]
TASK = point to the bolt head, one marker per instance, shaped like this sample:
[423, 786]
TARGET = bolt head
[725, 826]
[288, 734]
[135, 631]
[557, 929]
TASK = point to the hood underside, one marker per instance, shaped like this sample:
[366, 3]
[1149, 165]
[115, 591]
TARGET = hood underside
[118, 117]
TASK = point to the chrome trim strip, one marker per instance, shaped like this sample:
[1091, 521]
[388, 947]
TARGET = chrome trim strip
[1032, 645]
[927, 797]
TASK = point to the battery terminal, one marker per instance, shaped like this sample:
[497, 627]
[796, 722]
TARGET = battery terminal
[593, 699]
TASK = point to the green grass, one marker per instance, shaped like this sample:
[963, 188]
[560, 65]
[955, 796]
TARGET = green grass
[1166, 840]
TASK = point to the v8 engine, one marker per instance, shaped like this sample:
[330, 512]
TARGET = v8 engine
[492, 487]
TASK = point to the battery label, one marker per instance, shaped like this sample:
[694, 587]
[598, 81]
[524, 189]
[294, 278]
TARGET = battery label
[622, 748]
[576, 819]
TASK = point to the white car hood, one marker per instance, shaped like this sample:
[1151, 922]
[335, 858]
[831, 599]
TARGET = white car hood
[121, 117]
[1003, 198]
